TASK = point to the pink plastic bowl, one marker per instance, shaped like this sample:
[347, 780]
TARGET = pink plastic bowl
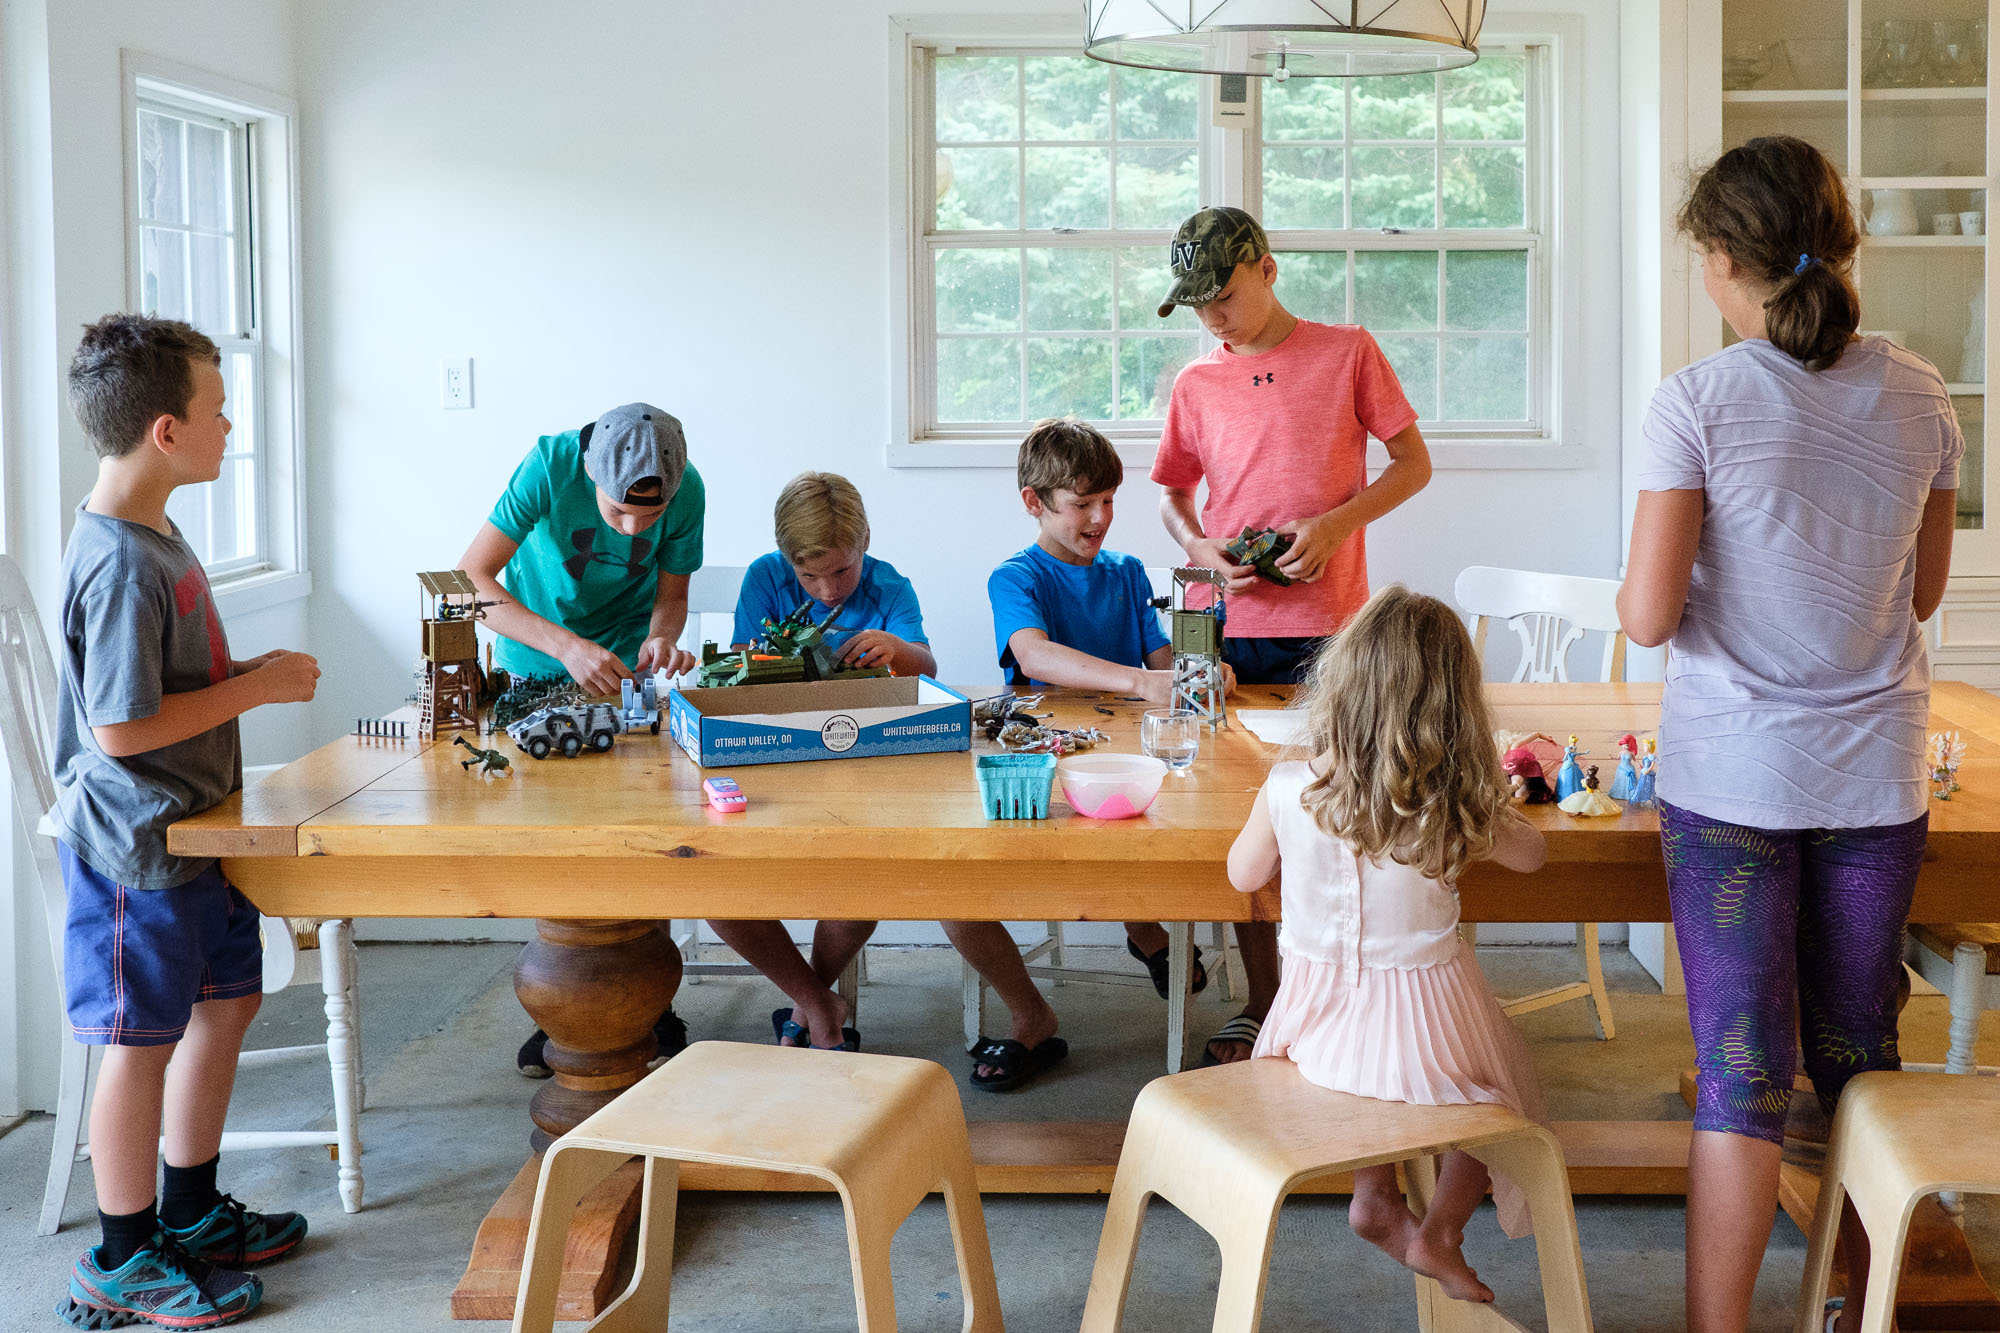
[1110, 786]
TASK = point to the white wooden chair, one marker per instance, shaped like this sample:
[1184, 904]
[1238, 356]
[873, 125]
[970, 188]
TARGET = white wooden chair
[1963, 961]
[27, 717]
[712, 591]
[1549, 613]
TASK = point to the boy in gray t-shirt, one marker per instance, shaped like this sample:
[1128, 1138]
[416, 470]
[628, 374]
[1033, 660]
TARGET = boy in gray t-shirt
[161, 956]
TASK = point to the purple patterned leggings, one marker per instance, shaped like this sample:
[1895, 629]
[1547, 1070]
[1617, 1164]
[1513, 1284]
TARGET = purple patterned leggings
[1784, 931]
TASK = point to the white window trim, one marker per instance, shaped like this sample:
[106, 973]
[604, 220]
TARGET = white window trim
[282, 575]
[1557, 446]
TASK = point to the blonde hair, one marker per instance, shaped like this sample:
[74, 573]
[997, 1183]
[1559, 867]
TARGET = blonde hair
[1397, 705]
[819, 512]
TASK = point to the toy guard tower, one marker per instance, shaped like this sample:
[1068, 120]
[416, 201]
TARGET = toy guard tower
[448, 699]
[1197, 641]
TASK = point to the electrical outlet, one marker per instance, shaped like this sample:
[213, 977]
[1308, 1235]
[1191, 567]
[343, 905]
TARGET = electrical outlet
[455, 388]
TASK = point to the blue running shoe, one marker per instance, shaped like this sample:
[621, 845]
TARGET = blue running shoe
[232, 1235]
[162, 1285]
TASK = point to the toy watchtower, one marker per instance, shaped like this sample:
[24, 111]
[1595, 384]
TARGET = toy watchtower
[1197, 640]
[449, 697]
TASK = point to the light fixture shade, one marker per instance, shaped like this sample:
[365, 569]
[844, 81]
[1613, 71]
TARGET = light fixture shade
[1282, 38]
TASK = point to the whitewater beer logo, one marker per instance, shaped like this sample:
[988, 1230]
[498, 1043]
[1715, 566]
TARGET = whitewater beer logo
[839, 733]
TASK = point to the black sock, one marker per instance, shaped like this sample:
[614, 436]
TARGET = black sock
[125, 1234]
[188, 1194]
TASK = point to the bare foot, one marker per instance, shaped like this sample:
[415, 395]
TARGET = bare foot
[824, 1020]
[1383, 1220]
[1440, 1259]
[1031, 1032]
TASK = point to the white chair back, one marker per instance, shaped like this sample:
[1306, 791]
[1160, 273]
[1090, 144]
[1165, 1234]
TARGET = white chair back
[27, 729]
[712, 591]
[1548, 612]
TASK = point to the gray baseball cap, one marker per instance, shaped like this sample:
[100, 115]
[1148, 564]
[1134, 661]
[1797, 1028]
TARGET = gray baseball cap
[631, 444]
[1206, 251]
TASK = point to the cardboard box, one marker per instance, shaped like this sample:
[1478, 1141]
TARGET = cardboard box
[829, 719]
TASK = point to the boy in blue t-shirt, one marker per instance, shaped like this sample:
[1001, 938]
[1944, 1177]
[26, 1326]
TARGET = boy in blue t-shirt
[161, 955]
[822, 557]
[595, 537]
[1067, 612]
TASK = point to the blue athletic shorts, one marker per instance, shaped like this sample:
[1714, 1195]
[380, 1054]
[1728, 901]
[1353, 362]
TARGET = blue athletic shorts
[1270, 661]
[137, 961]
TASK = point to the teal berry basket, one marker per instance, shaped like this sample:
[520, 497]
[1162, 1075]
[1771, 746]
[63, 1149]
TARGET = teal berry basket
[1016, 786]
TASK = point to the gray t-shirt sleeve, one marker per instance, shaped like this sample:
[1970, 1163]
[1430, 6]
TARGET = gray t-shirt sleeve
[1952, 454]
[1671, 454]
[122, 669]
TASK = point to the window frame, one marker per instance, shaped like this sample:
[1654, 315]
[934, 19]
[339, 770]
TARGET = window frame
[267, 231]
[1231, 173]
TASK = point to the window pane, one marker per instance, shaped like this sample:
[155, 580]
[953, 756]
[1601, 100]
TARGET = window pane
[1302, 188]
[1415, 362]
[979, 379]
[1157, 104]
[1485, 187]
[1146, 370]
[160, 169]
[1068, 97]
[163, 281]
[230, 537]
[1486, 379]
[1304, 108]
[209, 194]
[1488, 100]
[188, 508]
[1069, 377]
[978, 99]
[1157, 187]
[1314, 284]
[240, 400]
[978, 188]
[1069, 187]
[1069, 289]
[1404, 107]
[1143, 279]
[1486, 289]
[978, 291]
[1396, 289]
[213, 284]
[1395, 187]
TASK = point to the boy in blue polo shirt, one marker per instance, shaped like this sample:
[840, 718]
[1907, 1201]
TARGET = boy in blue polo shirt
[1067, 612]
[822, 557]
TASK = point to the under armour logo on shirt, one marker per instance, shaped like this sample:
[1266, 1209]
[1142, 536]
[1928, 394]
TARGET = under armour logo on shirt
[585, 542]
[1271, 378]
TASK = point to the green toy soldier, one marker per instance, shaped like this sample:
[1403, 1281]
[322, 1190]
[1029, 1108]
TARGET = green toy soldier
[490, 761]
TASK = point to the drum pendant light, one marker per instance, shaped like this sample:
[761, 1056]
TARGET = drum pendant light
[1281, 38]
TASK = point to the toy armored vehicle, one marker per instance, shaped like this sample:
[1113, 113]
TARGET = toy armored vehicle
[790, 650]
[1262, 550]
[567, 729]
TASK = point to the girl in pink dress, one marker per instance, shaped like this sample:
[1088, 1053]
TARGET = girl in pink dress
[1380, 997]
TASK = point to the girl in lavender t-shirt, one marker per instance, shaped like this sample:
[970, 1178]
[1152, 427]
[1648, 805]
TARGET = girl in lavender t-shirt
[1794, 524]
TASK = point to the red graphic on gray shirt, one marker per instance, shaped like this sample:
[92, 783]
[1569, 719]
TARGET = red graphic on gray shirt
[191, 593]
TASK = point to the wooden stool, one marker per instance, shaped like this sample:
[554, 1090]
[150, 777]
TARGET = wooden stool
[1226, 1145]
[1897, 1138]
[883, 1131]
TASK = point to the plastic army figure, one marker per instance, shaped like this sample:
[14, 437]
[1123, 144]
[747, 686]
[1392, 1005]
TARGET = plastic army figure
[490, 762]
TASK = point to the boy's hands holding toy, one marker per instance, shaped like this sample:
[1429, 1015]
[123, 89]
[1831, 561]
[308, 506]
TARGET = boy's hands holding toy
[659, 654]
[1155, 687]
[597, 669]
[286, 677]
[1206, 553]
[1314, 542]
[873, 648]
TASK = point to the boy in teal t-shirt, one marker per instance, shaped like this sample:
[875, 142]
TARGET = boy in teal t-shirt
[594, 539]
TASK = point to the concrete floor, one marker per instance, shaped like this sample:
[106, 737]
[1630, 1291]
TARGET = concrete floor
[445, 1131]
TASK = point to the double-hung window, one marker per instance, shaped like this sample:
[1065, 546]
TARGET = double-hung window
[1044, 187]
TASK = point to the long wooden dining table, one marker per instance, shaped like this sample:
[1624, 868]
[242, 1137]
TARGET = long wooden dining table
[601, 848]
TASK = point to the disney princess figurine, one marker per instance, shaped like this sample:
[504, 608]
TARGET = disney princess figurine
[1525, 776]
[1569, 777]
[1626, 778]
[1642, 787]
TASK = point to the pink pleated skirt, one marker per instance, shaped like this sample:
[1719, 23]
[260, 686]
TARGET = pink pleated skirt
[1429, 1036]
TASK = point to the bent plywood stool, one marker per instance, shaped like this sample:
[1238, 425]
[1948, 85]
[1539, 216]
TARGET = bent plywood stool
[883, 1131]
[1226, 1145]
[1896, 1138]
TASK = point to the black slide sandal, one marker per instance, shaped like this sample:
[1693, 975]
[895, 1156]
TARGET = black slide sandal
[1016, 1063]
[1156, 965]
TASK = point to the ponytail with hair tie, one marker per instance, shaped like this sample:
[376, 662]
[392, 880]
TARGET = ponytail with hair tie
[1805, 262]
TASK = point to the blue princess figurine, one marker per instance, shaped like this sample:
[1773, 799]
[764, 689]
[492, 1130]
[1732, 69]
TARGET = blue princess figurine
[1626, 780]
[1569, 778]
[1642, 787]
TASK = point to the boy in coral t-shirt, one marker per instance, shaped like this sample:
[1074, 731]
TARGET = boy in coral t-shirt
[1276, 421]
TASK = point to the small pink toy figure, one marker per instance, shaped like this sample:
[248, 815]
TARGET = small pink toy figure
[1626, 779]
[1642, 789]
[1946, 753]
[1524, 772]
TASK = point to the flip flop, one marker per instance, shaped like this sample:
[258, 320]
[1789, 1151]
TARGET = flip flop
[787, 1032]
[1017, 1064]
[672, 1035]
[1241, 1028]
[1156, 964]
[1832, 1311]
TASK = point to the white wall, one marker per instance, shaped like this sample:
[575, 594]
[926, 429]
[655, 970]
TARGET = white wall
[64, 238]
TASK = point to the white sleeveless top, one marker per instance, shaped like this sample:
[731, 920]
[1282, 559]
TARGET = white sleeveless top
[1343, 909]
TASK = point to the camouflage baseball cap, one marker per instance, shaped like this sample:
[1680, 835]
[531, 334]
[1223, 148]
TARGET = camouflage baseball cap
[1206, 251]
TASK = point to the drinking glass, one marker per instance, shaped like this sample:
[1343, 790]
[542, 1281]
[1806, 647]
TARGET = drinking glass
[1903, 52]
[1952, 57]
[1744, 63]
[1172, 736]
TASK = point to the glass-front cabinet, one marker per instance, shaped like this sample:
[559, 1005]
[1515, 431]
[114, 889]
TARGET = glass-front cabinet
[1895, 93]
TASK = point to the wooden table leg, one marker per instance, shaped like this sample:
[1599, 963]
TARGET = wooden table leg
[596, 988]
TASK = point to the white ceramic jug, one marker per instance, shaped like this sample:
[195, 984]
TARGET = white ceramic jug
[1892, 213]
